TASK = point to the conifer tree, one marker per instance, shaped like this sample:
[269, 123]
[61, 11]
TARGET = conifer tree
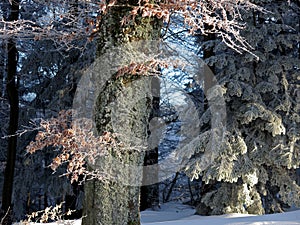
[252, 170]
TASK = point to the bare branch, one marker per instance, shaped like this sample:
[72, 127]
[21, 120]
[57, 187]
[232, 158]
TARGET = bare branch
[221, 17]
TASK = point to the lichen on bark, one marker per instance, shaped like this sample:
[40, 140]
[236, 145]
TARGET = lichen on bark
[123, 107]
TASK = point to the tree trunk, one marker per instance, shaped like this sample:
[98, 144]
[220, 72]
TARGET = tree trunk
[3, 61]
[117, 202]
[150, 187]
[13, 97]
[125, 102]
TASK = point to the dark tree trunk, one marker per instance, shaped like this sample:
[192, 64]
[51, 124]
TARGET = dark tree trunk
[13, 97]
[209, 80]
[150, 185]
[3, 70]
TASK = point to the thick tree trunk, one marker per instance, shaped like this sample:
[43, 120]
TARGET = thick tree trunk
[117, 202]
[123, 107]
[13, 97]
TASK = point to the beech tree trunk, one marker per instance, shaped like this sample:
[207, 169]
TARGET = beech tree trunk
[117, 201]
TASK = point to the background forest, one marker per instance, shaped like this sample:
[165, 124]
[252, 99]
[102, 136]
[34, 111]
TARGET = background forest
[252, 53]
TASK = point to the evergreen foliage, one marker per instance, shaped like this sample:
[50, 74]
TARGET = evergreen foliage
[253, 169]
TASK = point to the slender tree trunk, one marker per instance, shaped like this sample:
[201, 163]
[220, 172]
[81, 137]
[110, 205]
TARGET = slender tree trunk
[13, 97]
[209, 80]
[150, 188]
[117, 202]
[3, 70]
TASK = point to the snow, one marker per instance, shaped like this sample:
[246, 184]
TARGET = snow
[179, 214]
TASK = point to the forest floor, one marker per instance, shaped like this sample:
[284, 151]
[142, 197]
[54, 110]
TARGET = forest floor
[178, 214]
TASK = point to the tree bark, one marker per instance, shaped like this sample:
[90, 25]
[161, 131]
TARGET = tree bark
[150, 187]
[13, 97]
[117, 201]
[3, 71]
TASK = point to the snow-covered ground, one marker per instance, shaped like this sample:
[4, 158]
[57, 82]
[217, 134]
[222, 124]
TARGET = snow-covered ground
[178, 214]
